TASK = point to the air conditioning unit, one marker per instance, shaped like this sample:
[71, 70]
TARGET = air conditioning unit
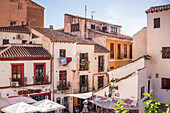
[19, 37]
[14, 84]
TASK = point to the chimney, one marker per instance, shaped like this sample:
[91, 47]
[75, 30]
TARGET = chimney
[51, 26]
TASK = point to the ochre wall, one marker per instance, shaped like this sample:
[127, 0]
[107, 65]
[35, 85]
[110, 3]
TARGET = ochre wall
[114, 62]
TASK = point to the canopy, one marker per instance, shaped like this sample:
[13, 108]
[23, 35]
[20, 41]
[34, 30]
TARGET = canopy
[4, 102]
[9, 101]
[108, 103]
[82, 96]
[48, 105]
[20, 107]
[27, 100]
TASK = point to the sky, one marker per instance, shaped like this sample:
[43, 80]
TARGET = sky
[130, 14]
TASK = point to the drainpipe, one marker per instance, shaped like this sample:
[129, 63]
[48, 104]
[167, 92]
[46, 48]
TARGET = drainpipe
[52, 70]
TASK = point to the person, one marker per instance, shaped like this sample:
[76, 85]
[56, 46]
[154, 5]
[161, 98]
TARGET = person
[98, 110]
[77, 111]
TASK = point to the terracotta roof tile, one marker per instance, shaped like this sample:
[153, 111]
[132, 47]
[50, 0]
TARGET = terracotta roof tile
[158, 8]
[15, 29]
[58, 36]
[100, 49]
[119, 36]
[21, 51]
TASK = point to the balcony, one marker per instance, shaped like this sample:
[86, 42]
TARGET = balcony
[40, 80]
[61, 86]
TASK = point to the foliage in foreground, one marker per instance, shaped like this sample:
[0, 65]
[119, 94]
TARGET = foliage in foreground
[121, 108]
[151, 106]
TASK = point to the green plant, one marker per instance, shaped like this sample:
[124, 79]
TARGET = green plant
[151, 106]
[121, 108]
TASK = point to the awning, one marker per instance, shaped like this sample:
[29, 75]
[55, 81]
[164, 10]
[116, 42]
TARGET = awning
[82, 96]
[108, 103]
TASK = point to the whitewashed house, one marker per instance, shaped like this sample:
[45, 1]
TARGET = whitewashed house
[24, 71]
[14, 34]
[152, 71]
[78, 65]
[154, 41]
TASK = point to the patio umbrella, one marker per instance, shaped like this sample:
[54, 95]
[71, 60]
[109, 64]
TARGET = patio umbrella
[3, 103]
[20, 107]
[27, 100]
[48, 105]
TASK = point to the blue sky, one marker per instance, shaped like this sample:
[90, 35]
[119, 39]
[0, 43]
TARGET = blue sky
[130, 14]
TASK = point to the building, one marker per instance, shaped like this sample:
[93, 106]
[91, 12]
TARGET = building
[105, 34]
[25, 70]
[155, 42]
[150, 66]
[79, 65]
[14, 34]
[22, 12]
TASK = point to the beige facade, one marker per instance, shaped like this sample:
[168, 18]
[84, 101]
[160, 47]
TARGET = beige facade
[73, 69]
[105, 34]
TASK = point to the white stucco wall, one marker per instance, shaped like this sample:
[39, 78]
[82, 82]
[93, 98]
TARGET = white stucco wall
[5, 75]
[156, 39]
[139, 44]
[12, 37]
[127, 69]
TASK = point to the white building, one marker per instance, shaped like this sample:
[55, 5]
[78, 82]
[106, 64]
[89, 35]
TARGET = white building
[150, 71]
[156, 42]
[79, 65]
[24, 71]
[14, 34]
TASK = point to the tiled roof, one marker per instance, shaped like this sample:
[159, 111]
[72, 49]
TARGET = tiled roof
[158, 8]
[58, 36]
[119, 36]
[23, 51]
[100, 49]
[15, 29]
[95, 21]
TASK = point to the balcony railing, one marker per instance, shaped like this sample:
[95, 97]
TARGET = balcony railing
[61, 86]
[41, 80]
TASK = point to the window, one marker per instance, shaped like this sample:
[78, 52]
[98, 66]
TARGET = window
[12, 23]
[156, 22]
[74, 27]
[92, 26]
[111, 50]
[111, 68]
[125, 50]
[149, 84]
[39, 69]
[130, 51]
[5, 41]
[18, 73]
[100, 82]
[62, 53]
[104, 28]
[19, 6]
[165, 83]
[142, 91]
[100, 63]
[84, 63]
[24, 41]
[84, 83]
[113, 30]
[62, 80]
[165, 52]
[118, 51]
